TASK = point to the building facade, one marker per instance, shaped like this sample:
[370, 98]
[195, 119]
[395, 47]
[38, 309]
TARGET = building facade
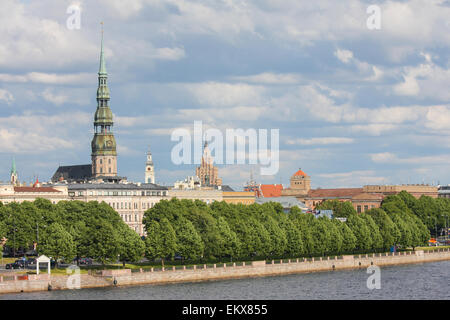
[130, 200]
[207, 172]
[242, 197]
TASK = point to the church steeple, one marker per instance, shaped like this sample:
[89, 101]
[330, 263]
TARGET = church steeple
[14, 176]
[104, 154]
[149, 168]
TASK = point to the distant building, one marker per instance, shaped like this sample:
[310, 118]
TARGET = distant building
[444, 191]
[417, 190]
[243, 197]
[188, 183]
[207, 173]
[130, 200]
[206, 195]
[300, 185]
[271, 190]
[10, 193]
[14, 179]
[76, 173]
[252, 186]
[317, 196]
[149, 168]
[286, 202]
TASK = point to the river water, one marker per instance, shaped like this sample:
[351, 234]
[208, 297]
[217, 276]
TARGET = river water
[415, 281]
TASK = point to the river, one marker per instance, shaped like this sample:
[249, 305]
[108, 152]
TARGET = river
[414, 281]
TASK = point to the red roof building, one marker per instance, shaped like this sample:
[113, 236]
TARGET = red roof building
[271, 190]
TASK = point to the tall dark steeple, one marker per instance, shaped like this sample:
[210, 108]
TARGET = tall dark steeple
[104, 154]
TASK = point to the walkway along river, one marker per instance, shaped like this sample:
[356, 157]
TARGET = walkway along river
[124, 277]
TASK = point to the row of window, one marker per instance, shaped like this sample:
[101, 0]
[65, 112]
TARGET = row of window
[366, 207]
[128, 217]
[124, 193]
[129, 205]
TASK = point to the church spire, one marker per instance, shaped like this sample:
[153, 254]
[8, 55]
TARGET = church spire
[14, 176]
[104, 154]
[102, 70]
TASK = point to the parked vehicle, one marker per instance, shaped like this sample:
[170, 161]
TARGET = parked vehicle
[14, 265]
[85, 261]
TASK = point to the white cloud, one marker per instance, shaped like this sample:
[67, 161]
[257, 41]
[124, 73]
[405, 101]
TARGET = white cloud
[49, 78]
[320, 141]
[344, 55]
[6, 96]
[271, 78]
[219, 94]
[438, 118]
[387, 157]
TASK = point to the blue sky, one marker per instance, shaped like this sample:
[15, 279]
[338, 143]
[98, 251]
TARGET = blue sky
[354, 106]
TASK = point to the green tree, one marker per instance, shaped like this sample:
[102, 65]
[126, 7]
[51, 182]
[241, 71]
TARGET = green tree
[161, 241]
[57, 243]
[348, 238]
[294, 245]
[376, 238]
[189, 243]
[102, 243]
[361, 231]
[132, 248]
[228, 241]
[388, 230]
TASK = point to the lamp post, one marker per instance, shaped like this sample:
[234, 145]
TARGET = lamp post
[37, 239]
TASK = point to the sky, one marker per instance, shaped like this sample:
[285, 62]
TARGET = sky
[354, 105]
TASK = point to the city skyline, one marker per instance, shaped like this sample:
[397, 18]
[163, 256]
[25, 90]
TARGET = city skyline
[354, 106]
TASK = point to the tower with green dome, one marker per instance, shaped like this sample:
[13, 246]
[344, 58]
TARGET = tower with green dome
[104, 154]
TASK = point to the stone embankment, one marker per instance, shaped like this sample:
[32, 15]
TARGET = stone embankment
[9, 284]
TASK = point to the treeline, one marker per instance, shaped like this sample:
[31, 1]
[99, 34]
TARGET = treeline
[433, 212]
[69, 229]
[195, 230]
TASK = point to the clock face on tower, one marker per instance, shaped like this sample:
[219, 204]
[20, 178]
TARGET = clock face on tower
[149, 169]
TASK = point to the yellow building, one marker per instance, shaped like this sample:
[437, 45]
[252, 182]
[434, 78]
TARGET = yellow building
[244, 197]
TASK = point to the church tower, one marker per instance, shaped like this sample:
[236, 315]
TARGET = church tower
[104, 155]
[207, 172]
[149, 168]
[14, 177]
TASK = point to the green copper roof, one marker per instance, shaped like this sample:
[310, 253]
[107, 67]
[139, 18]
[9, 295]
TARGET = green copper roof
[102, 70]
[13, 167]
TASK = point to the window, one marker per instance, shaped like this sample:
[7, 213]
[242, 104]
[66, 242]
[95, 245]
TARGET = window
[366, 208]
[109, 161]
[109, 169]
[135, 217]
[358, 209]
[100, 161]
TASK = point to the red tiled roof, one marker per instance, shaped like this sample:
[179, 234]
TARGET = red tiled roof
[300, 173]
[335, 193]
[368, 196]
[271, 190]
[35, 189]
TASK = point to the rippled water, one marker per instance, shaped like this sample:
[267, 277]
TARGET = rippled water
[415, 281]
